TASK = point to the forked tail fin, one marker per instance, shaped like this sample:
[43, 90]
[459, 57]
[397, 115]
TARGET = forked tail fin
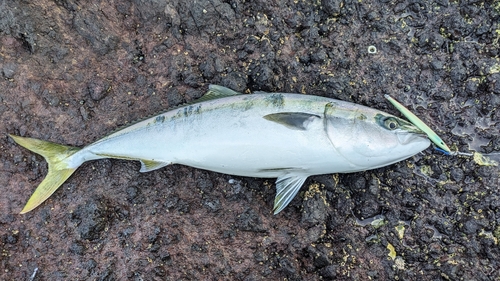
[56, 156]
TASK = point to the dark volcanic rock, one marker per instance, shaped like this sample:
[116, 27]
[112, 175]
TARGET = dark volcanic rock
[91, 219]
[249, 221]
[72, 72]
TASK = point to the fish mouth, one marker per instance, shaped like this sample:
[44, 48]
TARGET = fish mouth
[406, 137]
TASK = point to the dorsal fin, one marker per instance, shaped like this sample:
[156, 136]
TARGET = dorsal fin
[217, 92]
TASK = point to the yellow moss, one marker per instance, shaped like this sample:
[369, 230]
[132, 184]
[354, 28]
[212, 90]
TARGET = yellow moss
[489, 235]
[496, 233]
[426, 170]
[392, 251]
[378, 222]
[482, 160]
[399, 263]
[497, 31]
[336, 178]
[495, 69]
[401, 231]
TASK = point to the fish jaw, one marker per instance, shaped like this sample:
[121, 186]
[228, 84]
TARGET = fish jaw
[410, 144]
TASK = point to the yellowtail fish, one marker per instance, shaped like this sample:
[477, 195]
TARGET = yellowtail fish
[267, 135]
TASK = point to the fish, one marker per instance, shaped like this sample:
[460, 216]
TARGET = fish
[264, 135]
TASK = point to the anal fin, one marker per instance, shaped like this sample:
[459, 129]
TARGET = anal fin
[149, 165]
[287, 187]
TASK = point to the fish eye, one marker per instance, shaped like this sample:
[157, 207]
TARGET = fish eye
[391, 123]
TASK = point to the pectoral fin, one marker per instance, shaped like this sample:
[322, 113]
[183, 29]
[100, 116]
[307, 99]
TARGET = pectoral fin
[287, 187]
[148, 166]
[292, 120]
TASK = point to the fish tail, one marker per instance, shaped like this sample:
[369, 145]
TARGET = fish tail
[57, 157]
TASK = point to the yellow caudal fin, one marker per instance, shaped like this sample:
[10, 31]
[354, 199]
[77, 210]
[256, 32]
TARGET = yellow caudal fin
[56, 156]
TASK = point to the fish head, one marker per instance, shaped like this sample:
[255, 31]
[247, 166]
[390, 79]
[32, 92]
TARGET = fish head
[368, 138]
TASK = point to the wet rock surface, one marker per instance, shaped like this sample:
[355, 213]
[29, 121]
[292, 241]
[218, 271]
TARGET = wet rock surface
[72, 72]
